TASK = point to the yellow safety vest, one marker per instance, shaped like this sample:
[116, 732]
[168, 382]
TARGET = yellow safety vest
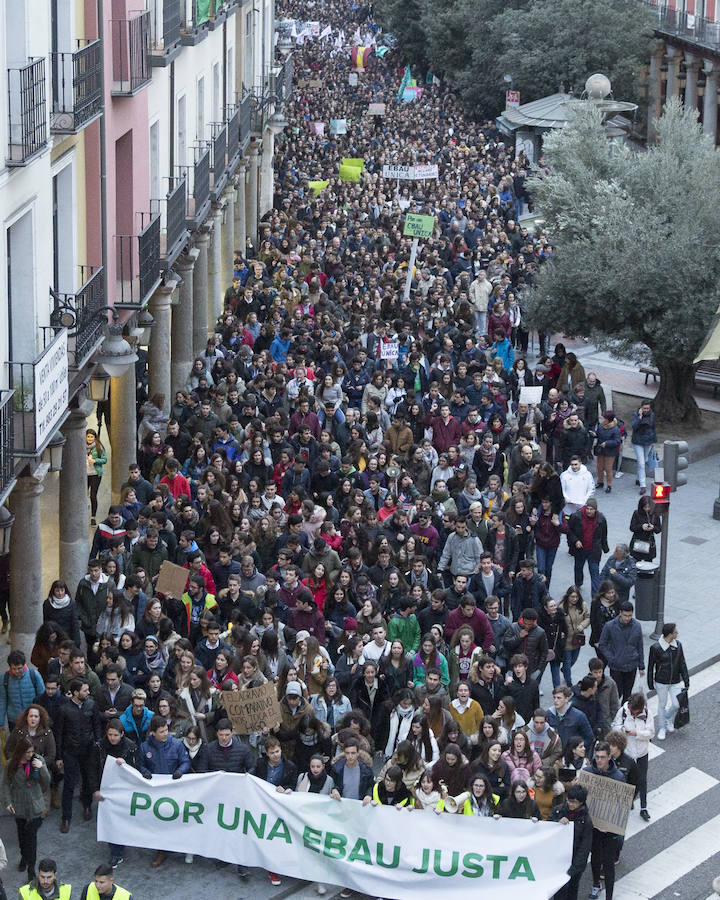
[28, 893]
[120, 893]
[376, 797]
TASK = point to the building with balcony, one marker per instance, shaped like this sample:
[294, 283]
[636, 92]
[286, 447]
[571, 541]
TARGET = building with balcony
[685, 59]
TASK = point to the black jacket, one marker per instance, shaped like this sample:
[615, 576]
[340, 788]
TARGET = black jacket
[526, 696]
[360, 699]
[238, 757]
[582, 834]
[489, 695]
[667, 666]
[78, 727]
[289, 776]
[126, 750]
[575, 529]
[123, 699]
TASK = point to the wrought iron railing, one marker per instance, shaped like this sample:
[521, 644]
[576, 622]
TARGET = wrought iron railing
[138, 262]
[130, 46]
[219, 157]
[86, 305]
[233, 135]
[246, 111]
[284, 81]
[200, 198]
[685, 25]
[7, 473]
[175, 213]
[27, 111]
[165, 25]
[76, 88]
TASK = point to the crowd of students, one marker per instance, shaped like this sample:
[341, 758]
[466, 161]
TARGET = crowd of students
[372, 531]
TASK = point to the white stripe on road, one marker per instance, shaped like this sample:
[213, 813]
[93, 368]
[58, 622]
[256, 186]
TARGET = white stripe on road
[671, 864]
[654, 751]
[671, 796]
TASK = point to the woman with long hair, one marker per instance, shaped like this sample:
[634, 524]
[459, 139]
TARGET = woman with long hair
[330, 704]
[494, 768]
[395, 669]
[521, 759]
[605, 606]
[519, 804]
[33, 724]
[183, 669]
[508, 720]
[265, 535]
[202, 702]
[429, 657]
[96, 460]
[150, 619]
[59, 607]
[48, 638]
[25, 778]
[117, 616]
[577, 619]
[423, 740]
[222, 671]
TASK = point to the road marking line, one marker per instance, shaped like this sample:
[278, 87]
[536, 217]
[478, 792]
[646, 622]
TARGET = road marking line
[671, 864]
[671, 796]
[654, 751]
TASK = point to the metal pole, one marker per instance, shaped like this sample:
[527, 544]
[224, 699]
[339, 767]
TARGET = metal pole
[665, 516]
[411, 266]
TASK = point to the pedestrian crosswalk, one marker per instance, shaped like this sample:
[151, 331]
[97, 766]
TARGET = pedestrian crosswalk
[669, 796]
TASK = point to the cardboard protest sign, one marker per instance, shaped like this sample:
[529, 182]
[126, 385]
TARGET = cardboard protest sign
[253, 709]
[608, 801]
[531, 394]
[171, 580]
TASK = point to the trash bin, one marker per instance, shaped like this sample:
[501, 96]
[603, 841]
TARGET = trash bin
[647, 591]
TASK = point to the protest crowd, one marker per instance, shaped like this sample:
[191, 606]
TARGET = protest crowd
[366, 504]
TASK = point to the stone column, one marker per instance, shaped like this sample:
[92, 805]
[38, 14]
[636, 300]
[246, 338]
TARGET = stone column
[159, 349]
[240, 209]
[74, 543]
[123, 430]
[710, 100]
[655, 90]
[182, 321]
[203, 319]
[251, 194]
[228, 244]
[215, 273]
[692, 67]
[27, 592]
[266, 172]
[673, 83]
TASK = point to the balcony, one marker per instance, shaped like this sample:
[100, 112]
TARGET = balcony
[165, 31]
[81, 313]
[283, 81]
[138, 262]
[688, 28]
[27, 112]
[246, 116]
[76, 88]
[7, 472]
[199, 202]
[219, 159]
[199, 17]
[130, 43]
[40, 401]
[233, 138]
[175, 235]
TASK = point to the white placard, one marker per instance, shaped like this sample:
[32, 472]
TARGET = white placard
[50, 375]
[422, 172]
[389, 350]
[531, 394]
[410, 173]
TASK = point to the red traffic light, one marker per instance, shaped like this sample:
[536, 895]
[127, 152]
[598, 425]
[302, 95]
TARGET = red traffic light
[661, 493]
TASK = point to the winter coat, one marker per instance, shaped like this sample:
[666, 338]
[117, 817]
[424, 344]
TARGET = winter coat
[521, 769]
[574, 442]
[65, 618]
[238, 757]
[534, 646]
[639, 518]
[89, 605]
[622, 645]
[16, 694]
[289, 773]
[43, 743]
[27, 799]
[624, 577]
[666, 664]
[461, 554]
[526, 695]
[575, 533]
[577, 620]
[164, 758]
[608, 701]
[366, 778]
[525, 594]
[126, 750]
[577, 486]
[643, 429]
[638, 744]
[573, 723]
[132, 730]
[582, 834]
[77, 727]
[610, 436]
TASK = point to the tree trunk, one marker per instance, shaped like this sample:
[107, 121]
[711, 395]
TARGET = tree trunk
[674, 402]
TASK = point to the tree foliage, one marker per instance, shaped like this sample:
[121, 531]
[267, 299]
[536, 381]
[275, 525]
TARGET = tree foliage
[540, 43]
[637, 261]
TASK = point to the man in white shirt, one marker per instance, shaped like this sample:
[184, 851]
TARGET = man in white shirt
[378, 647]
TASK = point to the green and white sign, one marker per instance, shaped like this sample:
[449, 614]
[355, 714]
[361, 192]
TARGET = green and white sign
[419, 226]
[381, 851]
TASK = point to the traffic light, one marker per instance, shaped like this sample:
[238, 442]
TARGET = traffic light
[673, 463]
[661, 493]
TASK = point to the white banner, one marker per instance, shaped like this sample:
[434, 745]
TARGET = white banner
[410, 173]
[380, 851]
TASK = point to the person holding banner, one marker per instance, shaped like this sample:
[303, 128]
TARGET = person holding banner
[574, 812]
[604, 843]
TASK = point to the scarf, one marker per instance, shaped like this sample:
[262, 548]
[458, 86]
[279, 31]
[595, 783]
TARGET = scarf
[399, 728]
[488, 454]
[316, 782]
[192, 751]
[27, 769]
[61, 603]
[155, 660]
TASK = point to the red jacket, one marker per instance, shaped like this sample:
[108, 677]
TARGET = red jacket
[177, 485]
[312, 622]
[479, 623]
[206, 576]
[445, 436]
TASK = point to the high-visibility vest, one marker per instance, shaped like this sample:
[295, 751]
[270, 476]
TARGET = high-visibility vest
[120, 893]
[28, 893]
[376, 797]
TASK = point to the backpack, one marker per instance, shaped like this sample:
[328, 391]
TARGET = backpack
[34, 677]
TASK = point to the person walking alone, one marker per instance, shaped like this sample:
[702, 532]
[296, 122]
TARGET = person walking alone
[665, 672]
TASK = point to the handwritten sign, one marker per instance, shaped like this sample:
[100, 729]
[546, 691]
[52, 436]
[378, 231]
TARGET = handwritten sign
[608, 801]
[50, 376]
[531, 395]
[253, 709]
[389, 350]
[172, 580]
[419, 226]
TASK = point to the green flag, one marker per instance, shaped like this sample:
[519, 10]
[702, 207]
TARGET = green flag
[406, 79]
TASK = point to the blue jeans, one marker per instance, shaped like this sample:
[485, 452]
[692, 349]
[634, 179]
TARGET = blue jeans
[581, 557]
[641, 455]
[545, 560]
[570, 657]
[555, 670]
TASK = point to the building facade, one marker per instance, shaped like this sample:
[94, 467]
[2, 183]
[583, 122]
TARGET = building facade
[135, 158]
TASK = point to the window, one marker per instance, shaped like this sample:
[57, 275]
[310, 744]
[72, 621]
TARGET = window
[181, 146]
[248, 60]
[155, 185]
[200, 110]
[216, 101]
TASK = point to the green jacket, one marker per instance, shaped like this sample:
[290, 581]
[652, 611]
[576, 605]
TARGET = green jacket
[27, 799]
[98, 460]
[406, 630]
[150, 560]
